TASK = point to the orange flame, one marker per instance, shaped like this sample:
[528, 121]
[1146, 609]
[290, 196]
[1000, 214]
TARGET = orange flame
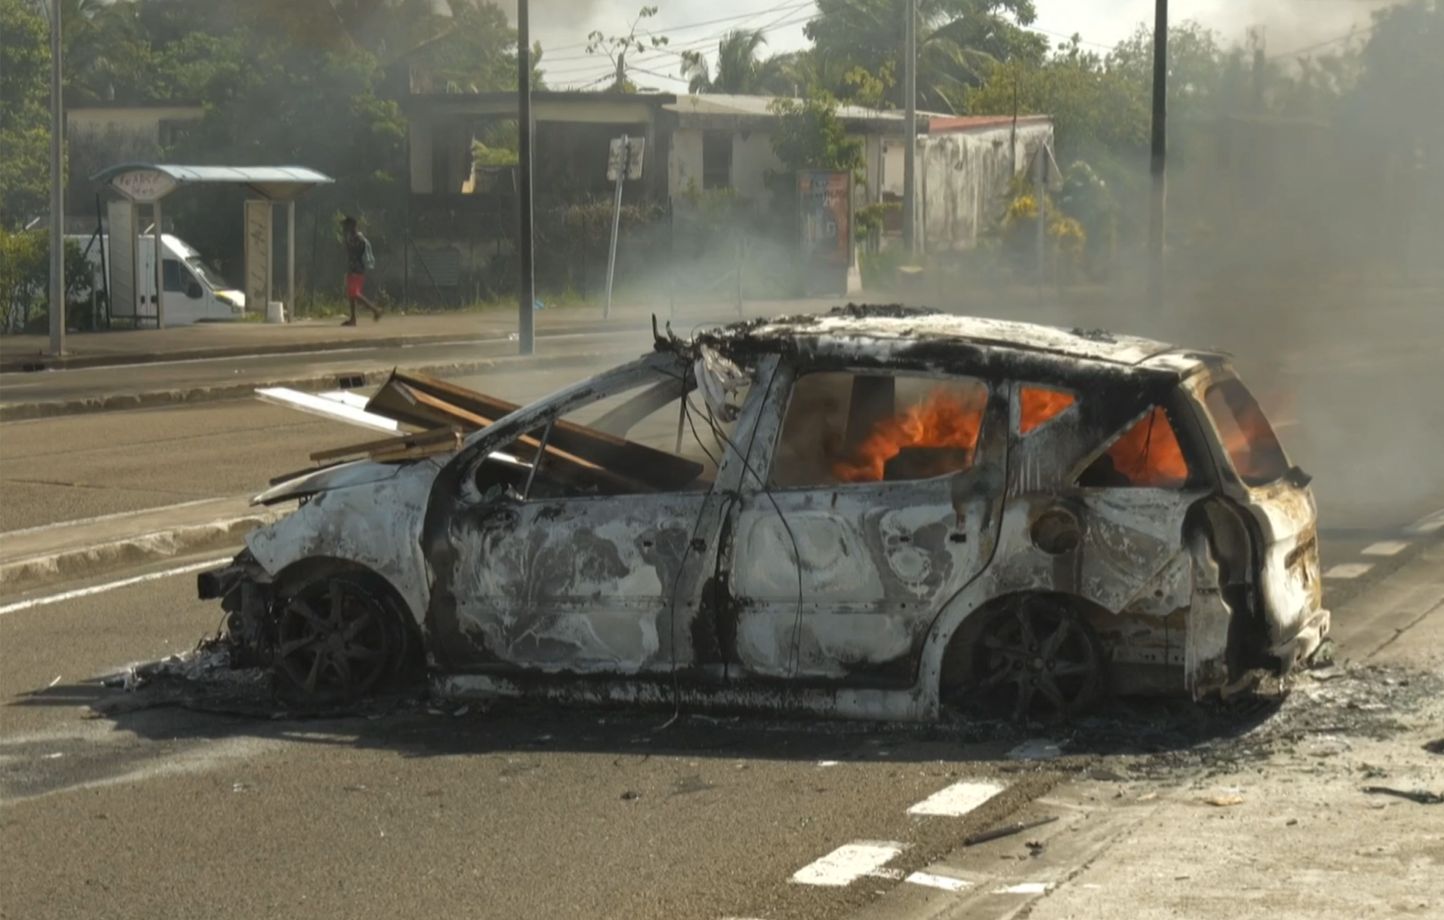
[1040, 406]
[1149, 453]
[945, 419]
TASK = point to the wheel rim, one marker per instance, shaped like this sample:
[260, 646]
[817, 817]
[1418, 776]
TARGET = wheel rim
[1038, 659]
[333, 640]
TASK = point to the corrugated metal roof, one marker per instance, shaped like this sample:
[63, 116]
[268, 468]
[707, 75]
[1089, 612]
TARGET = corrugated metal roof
[724, 104]
[947, 124]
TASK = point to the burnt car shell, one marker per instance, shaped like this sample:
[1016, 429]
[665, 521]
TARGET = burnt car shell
[868, 599]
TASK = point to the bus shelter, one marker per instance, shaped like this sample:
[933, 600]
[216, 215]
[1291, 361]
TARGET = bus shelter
[148, 184]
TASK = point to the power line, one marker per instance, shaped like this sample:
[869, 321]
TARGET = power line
[676, 51]
[687, 27]
[1351, 34]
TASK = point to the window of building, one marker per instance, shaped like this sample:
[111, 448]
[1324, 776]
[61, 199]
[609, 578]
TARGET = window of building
[847, 428]
[1148, 455]
[716, 159]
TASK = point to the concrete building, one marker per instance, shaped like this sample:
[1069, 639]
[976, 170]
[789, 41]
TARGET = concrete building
[461, 213]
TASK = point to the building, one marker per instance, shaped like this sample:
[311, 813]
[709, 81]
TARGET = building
[461, 213]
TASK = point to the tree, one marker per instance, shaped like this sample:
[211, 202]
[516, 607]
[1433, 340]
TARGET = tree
[615, 48]
[24, 113]
[958, 40]
[739, 70]
[809, 135]
[1097, 111]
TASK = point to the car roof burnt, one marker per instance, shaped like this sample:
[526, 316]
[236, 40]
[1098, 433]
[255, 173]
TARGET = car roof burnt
[883, 334]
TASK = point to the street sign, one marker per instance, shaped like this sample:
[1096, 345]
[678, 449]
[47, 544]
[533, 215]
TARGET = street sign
[626, 151]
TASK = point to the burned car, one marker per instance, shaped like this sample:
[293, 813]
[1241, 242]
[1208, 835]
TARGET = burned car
[870, 513]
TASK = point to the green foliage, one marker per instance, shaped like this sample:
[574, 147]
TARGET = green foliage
[24, 113]
[25, 281]
[739, 69]
[958, 40]
[1095, 107]
[809, 135]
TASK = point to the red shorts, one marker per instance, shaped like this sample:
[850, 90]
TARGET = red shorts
[355, 284]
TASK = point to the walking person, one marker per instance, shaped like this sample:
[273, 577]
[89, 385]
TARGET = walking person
[358, 260]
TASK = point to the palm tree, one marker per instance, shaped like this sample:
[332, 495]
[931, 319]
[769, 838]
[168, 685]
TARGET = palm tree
[739, 71]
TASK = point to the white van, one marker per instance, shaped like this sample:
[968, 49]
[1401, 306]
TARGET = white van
[194, 292]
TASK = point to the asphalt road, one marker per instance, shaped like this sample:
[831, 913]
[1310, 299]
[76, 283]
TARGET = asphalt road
[110, 806]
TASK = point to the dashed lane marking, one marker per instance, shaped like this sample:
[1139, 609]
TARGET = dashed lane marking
[1429, 523]
[1025, 888]
[1385, 548]
[848, 863]
[956, 800]
[1349, 570]
[944, 882]
[111, 586]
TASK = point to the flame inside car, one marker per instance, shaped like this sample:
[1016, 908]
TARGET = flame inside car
[945, 425]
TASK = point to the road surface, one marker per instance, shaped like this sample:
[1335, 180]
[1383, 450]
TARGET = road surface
[112, 806]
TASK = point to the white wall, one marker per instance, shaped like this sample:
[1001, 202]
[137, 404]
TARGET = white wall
[752, 159]
[684, 165]
[963, 180]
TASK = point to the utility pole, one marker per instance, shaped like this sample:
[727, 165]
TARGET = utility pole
[57, 190]
[526, 308]
[1158, 161]
[910, 129]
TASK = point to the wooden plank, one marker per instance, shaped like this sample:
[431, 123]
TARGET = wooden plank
[448, 438]
[660, 470]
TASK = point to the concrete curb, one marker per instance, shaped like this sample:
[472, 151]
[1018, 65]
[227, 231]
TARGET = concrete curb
[103, 558]
[10, 412]
[13, 364]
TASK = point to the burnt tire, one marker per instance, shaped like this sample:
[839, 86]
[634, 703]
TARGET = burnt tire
[1036, 658]
[340, 637]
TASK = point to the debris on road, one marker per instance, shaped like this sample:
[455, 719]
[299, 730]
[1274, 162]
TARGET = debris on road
[1224, 801]
[1421, 796]
[1008, 830]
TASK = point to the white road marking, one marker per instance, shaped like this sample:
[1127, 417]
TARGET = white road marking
[956, 800]
[111, 586]
[1428, 523]
[1349, 570]
[930, 880]
[848, 863]
[1385, 548]
[107, 517]
[1025, 888]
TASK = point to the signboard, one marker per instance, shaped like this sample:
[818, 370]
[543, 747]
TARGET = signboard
[121, 259]
[626, 151]
[143, 186]
[824, 198]
[258, 255]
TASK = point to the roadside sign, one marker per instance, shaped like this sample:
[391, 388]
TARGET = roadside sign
[628, 152]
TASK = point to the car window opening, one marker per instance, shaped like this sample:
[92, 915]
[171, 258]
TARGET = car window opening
[1040, 405]
[647, 439]
[1247, 436]
[852, 428]
[1148, 455]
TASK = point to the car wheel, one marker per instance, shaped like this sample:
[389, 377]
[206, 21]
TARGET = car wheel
[1036, 658]
[336, 639]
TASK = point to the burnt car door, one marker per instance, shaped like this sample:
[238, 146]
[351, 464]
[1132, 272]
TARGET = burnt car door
[870, 499]
[1101, 479]
[571, 544]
